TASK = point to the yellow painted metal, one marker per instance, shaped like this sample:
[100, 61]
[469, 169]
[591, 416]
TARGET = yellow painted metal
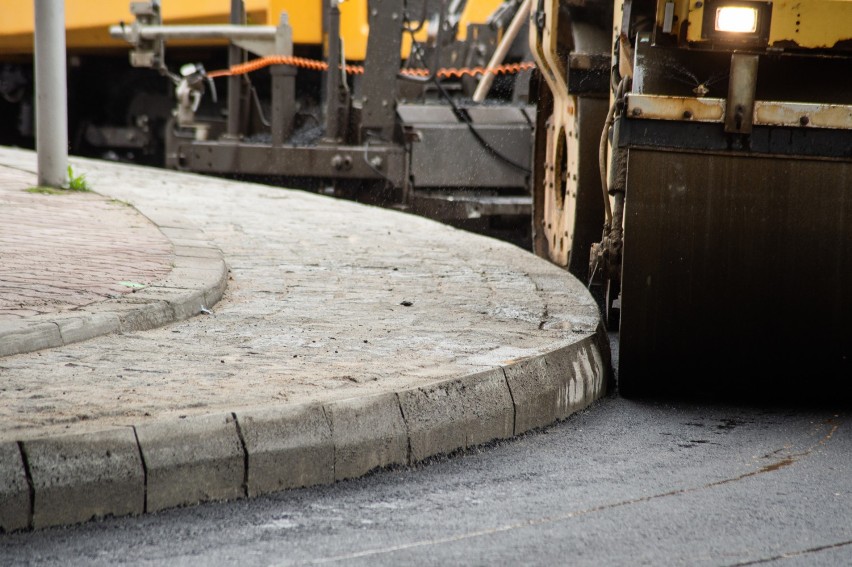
[88, 21]
[811, 23]
[476, 12]
[807, 24]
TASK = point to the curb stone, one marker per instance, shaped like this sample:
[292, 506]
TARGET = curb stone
[82, 476]
[15, 505]
[287, 447]
[176, 462]
[368, 433]
[457, 414]
[197, 280]
[191, 460]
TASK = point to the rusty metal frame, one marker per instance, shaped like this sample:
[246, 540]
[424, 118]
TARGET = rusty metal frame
[766, 113]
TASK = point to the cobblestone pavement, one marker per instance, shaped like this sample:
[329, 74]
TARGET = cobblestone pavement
[326, 300]
[60, 252]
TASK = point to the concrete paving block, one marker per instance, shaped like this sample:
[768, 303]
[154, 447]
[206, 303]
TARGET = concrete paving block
[146, 316]
[198, 252]
[19, 337]
[192, 460]
[184, 230]
[203, 264]
[192, 278]
[15, 503]
[552, 386]
[287, 447]
[456, 414]
[184, 303]
[88, 326]
[368, 433]
[79, 477]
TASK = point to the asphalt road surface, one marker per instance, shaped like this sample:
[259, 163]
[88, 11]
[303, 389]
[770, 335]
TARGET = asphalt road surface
[623, 483]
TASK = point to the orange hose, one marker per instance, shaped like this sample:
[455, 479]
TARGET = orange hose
[315, 65]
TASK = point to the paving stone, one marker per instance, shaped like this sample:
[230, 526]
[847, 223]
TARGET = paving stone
[288, 447]
[15, 504]
[191, 460]
[74, 329]
[552, 386]
[368, 433]
[21, 336]
[90, 475]
[457, 414]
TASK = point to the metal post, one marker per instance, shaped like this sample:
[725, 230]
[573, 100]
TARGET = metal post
[235, 88]
[51, 98]
[378, 97]
[283, 85]
[333, 84]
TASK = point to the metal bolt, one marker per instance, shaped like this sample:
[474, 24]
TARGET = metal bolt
[637, 112]
[687, 115]
[377, 162]
[804, 120]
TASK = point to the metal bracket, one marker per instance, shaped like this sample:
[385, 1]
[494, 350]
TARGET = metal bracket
[147, 52]
[739, 112]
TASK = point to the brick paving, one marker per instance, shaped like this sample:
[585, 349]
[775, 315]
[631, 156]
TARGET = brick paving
[61, 252]
[326, 300]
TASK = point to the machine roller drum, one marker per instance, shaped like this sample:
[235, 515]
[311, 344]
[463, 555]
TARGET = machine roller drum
[737, 273]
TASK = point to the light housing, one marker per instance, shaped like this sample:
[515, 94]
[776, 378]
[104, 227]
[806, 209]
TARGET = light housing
[736, 22]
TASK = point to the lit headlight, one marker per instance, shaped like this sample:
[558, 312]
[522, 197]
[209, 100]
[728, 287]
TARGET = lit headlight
[736, 19]
[729, 23]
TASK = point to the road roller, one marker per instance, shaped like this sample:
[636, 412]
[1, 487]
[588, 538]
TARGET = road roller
[693, 165]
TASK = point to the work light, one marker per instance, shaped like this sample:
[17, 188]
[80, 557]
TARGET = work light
[736, 22]
[736, 19]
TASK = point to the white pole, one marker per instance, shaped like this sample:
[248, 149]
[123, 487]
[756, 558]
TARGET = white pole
[51, 93]
[502, 49]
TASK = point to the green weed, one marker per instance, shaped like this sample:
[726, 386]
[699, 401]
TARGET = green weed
[77, 182]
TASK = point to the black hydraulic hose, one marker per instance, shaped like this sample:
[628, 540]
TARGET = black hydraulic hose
[462, 115]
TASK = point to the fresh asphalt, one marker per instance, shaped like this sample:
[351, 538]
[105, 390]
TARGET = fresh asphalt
[622, 483]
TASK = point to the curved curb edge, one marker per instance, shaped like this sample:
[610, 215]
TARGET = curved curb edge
[176, 462]
[196, 282]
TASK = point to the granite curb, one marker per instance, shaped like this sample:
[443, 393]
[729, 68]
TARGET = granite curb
[117, 471]
[196, 282]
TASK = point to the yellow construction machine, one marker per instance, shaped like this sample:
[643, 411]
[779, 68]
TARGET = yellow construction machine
[693, 163]
[417, 103]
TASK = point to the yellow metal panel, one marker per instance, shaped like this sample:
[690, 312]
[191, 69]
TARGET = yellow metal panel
[476, 12]
[354, 28]
[305, 18]
[809, 24]
[88, 21]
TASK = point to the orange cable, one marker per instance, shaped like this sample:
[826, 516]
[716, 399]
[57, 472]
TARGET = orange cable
[315, 65]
